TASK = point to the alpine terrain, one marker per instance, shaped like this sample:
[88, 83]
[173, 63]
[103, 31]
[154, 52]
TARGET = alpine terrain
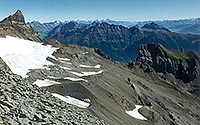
[54, 83]
[122, 43]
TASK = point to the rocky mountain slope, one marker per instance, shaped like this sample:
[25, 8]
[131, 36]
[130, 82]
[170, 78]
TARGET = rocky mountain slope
[194, 29]
[14, 25]
[183, 68]
[89, 79]
[122, 43]
[25, 103]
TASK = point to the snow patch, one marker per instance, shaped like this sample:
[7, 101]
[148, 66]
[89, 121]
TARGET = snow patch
[68, 78]
[21, 55]
[53, 57]
[64, 59]
[71, 100]
[85, 53]
[86, 66]
[44, 83]
[87, 100]
[135, 114]
[75, 79]
[92, 73]
[87, 73]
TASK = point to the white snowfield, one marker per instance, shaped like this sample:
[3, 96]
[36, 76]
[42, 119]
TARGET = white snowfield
[86, 66]
[45, 83]
[87, 73]
[23, 55]
[71, 100]
[135, 114]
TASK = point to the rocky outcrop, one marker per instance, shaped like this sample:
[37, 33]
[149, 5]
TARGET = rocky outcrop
[101, 53]
[54, 43]
[24, 103]
[181, 67]
[14, 25]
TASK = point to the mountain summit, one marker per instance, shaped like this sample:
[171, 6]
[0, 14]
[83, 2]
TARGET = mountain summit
[154, 26]
[15, 26]
[16, 18]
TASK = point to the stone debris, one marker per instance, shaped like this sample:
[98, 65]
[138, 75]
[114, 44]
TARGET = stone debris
[25, 103]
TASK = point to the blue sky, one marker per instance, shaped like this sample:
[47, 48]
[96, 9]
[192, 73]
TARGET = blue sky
[131, 10]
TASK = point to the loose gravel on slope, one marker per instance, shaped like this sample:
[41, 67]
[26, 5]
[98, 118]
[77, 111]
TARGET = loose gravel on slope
[25, 103]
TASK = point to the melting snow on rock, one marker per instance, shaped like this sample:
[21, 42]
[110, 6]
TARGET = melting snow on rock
[134, 113]
[86, 66]
[64, 59]
[87, 73]
[71, 100]
[44, 83]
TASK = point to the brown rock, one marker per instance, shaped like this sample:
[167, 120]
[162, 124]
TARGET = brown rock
[15, 26]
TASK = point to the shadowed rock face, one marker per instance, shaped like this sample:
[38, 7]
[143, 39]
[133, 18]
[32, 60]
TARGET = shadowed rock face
[14, 25]
[176, 65]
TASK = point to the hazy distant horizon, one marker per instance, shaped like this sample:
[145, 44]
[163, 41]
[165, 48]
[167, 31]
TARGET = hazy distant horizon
[114, 20]
[126, 10]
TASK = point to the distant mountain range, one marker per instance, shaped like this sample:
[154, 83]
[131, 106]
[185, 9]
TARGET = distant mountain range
[119, 42]
[121, 39]
[44, 28]
[180, 26]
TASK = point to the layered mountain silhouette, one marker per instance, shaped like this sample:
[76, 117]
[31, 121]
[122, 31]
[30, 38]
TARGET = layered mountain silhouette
[160, 87]
[180, 26]
[119, 42]
[44, 28]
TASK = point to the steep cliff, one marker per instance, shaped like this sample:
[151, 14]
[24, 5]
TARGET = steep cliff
[183, 68]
